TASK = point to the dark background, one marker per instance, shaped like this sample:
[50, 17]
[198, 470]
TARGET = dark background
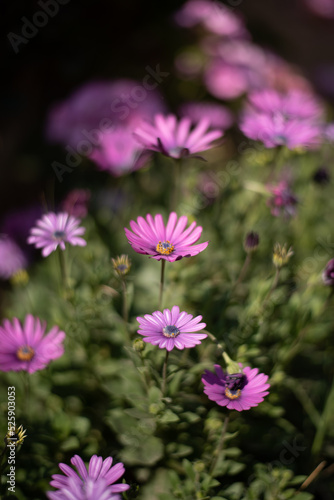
[99, 39]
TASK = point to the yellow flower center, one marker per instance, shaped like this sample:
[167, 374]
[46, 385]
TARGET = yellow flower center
[164, 247]
[25, 353]
[232, 394]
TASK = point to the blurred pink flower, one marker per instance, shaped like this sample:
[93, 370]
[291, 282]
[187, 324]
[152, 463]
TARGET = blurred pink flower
[171, 328]
[175, 138]
[12, 258]
[56, 229]
[171, 242]
[214, 16]
[119, 152]
[26, 347]
[237, 391]
[97, 106]
[282, 200]
[76, 202]
[275, 130]
[291, 105]
[323, 8]
[218, 115]
[98, 482]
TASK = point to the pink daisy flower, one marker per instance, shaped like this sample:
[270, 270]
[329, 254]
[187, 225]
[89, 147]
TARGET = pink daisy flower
[56, 229]
[171, 242]
[172, 138]
[237, 391]
[292, 105]
[12, 259]
[214, 16]
[98, 482]
[171, 329]
[118, 152]
[275, 130]
[25, 347]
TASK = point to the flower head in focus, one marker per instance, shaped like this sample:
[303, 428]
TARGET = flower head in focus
[26, 347]
[172, 242]
[171, 328]
[175, 138]
[237, 391]
[56, 229]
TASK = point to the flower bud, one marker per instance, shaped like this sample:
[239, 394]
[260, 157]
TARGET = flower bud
[281, 255]
[251, 242]
[138, 345]
[121, 265]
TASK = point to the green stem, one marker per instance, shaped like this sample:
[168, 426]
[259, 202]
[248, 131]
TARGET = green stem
[125, 303]
[219, 447]
[325, 420]
[26, 378]
[63, 270]
[273, 286]
[244, 268]
[164, 374]
[162, 279]
[177, 188]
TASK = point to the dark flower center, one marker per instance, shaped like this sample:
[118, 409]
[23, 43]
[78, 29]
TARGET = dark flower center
[59, 235]
[122, 267]
[164, 247]
[234, 384]
[280, 139]
[25, 353]
[170, 331]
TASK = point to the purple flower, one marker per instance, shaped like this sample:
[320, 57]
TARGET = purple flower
[79, 121]
[292, 105]
[275, 130]
[214, 16]
[76, 202]
[323, 8]
[328, 274]
[282, 200]
[25, 347]
[88, 484]
[118, 152]
[237, 391]
[171, 242]
[226, 81]
[171, 329]
[12, 259]
[217, 114]
[88, 490]
[172, 138]
[56, 229]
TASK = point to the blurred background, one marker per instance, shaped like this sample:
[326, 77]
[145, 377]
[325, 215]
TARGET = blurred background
[103, 39]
